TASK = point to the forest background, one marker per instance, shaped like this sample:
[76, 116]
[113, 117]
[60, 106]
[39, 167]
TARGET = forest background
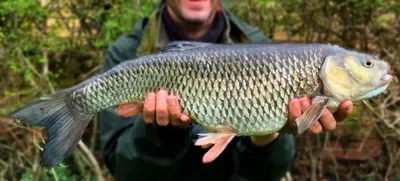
[47, 45]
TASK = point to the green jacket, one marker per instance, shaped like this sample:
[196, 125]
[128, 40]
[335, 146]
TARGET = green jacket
[133, 150]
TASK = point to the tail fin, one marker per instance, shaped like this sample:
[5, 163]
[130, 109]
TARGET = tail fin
[65, 125]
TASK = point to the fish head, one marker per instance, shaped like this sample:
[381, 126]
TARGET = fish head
[355, 76]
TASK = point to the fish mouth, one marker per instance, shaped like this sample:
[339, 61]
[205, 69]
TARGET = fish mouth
[386, 78]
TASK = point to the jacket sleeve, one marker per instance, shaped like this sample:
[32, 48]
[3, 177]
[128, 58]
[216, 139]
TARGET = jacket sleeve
[130, 147]
[270, 162]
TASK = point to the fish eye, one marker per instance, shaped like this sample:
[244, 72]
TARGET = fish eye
[368, 63]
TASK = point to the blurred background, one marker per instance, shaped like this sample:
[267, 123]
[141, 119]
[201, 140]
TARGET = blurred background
[46, 45]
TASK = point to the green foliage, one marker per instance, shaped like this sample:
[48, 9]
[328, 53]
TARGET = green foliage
[49, 46]
[58, 173]
[354, 122]
[35, 33]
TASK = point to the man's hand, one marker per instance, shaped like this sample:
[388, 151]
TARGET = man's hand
[163, 108]
[327, 121]
[160, 107]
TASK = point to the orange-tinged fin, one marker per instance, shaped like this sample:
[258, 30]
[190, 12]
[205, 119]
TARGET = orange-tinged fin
[218, 148]
[220, 141]
[206, 146]
[312, 114]
[129, 109]
[208, 138]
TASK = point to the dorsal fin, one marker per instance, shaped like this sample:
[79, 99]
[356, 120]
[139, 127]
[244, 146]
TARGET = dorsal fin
[183, 45]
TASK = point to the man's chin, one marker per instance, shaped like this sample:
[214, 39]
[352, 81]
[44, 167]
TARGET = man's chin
[194, 21]
[196, 17]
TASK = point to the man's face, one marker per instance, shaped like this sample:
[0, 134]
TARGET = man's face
[193, 11]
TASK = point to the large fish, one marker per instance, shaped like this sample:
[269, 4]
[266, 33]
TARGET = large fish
[231, 90]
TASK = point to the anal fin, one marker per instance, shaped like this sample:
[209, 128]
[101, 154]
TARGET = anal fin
[312, 114]
[217, 141]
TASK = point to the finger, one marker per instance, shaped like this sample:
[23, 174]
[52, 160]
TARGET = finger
[304, 104]
[149, 108]
[185, 118]
[162, 108]
[294, 110]
[327, 121]
[315, 128]
[174, 110]
[345, 110]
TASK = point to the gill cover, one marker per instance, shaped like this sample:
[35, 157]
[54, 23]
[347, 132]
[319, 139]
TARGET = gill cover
[335, 77]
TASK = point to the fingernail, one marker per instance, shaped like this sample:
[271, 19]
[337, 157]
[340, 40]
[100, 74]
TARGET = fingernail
[302, 102]
[151, 98]
[184, 117]
[173, 102]
[348, 109]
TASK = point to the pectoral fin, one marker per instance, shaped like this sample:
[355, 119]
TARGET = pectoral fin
[129, 109]
[312, 114]
[218, 141]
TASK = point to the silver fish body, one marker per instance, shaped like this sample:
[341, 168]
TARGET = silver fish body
[244, 88]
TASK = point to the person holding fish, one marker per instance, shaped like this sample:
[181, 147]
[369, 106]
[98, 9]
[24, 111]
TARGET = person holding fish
[195, 94]
[153, 140]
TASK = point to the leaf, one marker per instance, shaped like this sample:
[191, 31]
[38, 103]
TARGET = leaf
[43, 98]
[41, 60]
